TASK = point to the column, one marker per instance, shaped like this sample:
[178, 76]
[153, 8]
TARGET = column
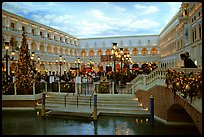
[68, 52]
[95, 53]
[63, 51]
[58, 49]
[72, 41]
[7, 21]
[87, 53]
[77, 42]
[45, 34]
[58, 37]
[52, 48]
[72, 52]
[4, 23]
[38, 46]
[38, 31]
[29, 44]
[52, 35]
[29, 28]
[68, 40]
[19, 25]
[149, 51]
[139, 51]
[63, 39]
[45, 47]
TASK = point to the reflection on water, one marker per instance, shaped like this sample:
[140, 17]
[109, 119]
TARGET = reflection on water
[28, 123]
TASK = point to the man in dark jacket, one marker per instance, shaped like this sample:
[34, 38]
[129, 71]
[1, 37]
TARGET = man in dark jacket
[188, 63]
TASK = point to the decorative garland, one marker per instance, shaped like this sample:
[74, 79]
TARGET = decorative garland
[188, 84]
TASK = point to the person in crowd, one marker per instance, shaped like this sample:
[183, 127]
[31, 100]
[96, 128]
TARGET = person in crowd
[188, 63]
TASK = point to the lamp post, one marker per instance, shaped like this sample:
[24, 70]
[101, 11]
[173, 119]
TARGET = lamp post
[115, 54]
[121, 58]
[78, 63]
[32, 58]
[91, 64]
[60, 63]
[8, 57]
[38, 59]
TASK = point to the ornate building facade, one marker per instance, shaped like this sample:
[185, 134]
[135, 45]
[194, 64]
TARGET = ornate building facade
[182, 33]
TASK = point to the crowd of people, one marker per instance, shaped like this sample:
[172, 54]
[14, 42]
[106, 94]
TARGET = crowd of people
[125, 75]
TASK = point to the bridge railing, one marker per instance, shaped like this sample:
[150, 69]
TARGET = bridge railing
[156, 77]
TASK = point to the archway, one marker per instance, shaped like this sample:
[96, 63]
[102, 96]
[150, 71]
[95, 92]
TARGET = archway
[177, 113]
[91, 53]
[99, 52]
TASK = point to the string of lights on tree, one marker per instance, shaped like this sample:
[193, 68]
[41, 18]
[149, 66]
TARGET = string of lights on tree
[24, 70]
[187, 84]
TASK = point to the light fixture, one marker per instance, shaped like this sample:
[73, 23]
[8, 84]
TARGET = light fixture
[6, 45]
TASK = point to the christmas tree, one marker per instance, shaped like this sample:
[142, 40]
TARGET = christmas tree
[24, 70]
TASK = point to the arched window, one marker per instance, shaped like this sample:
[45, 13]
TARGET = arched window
[91, 53]
[83, 53]
[154, 51]
[144, 51]
[135, 52]
[99, 52]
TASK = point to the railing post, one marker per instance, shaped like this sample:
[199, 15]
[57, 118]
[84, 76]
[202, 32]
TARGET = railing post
[113, 87]
[95, 107]
[59, 86]
[94, 86]
[15, 92]
[43, 104]
[151, 111]
[77, 100]
[144, 82]
[97, 88]
[76, 91]
[65, 101]
[34, 88]
[45, 86]
[132, 87]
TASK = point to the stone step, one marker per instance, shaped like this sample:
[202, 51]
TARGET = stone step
[88, 97]
[100, 108]
[99, 104]
[103, 111]
[98, 101]
[132, 114]
[107, 104]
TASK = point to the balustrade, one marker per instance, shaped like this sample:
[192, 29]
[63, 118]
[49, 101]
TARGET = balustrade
[156, 77]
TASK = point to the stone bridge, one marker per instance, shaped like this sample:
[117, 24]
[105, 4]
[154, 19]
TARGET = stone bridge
[169, 108]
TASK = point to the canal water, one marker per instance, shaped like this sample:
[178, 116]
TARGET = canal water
[26, 122]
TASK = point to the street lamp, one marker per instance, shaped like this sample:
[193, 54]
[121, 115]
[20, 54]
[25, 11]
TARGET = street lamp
[60, 63]
[8, 57]
[115, 53]
[91, 64]
[78, 64]
[38, 59]
[121, 58]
